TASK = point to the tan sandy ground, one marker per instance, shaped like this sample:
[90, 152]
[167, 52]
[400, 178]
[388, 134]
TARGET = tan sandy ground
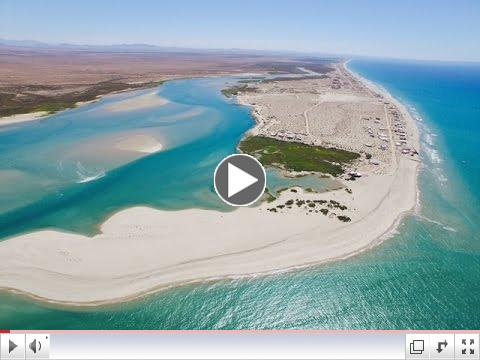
[338, 111]
[141, 250]
[140, 143]
[137, 103]
[63, 67]
[20, 118]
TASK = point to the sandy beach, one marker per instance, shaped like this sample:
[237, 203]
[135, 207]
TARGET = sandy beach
[142, 250]
[21, 118]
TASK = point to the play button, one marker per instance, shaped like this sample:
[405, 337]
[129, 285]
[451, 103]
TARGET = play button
[239, 180]
[11, 346]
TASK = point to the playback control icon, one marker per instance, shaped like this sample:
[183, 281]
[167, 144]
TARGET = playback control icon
[239, 180]
[15, 346]
[35, 345]
[441, 345]
[471, 347]
[417, 346]
[466, 346]
[38, 346]
[11, 346]
[438, 346]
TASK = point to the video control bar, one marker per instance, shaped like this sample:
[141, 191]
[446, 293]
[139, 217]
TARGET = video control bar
[358, 345]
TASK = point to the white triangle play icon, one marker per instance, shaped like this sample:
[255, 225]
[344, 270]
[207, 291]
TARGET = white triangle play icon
[238, 180]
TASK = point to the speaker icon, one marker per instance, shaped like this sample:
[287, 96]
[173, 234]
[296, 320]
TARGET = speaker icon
[35, 346]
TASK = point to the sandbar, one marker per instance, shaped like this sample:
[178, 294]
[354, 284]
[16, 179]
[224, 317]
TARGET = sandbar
[139, 143]
[145, 101]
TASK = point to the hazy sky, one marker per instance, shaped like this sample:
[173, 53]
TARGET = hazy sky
[417, 29]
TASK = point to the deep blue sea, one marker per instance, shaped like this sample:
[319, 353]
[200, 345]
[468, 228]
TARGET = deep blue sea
[426, 276]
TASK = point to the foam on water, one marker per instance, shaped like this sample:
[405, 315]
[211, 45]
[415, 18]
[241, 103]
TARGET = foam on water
[91, 178]
[88, 175]
[436, 222]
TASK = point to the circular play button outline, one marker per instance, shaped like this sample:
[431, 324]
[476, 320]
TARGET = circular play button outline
[239, 180]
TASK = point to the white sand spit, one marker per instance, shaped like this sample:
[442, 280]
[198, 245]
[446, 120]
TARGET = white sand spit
[141, 250]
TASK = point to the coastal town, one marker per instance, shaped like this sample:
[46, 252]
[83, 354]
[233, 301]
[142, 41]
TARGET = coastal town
[333, 110]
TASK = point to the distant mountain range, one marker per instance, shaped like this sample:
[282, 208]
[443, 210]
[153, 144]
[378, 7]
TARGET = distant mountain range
[144, 48]
[134, 48]
[68, 46]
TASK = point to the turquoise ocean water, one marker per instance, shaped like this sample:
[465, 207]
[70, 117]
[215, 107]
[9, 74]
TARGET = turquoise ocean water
[426, 276]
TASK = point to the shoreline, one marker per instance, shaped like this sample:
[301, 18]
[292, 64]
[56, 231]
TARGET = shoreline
[403, 107]
[312, 241]
[40, 115]
[35, 295]
[155, 290]
[22, 118]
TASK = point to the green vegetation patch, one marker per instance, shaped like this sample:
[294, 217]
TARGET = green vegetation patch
[153, 84]
[53, 107]
[236, 89]
[296, 156]
[22, 99]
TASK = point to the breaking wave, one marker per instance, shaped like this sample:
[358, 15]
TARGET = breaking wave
[85, 175]
[436, 222]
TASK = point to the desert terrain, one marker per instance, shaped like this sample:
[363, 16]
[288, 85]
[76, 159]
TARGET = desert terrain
[45, 80]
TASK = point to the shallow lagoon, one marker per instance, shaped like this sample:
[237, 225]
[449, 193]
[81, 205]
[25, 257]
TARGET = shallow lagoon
[426, 277]
[73, 169]
[68, 171]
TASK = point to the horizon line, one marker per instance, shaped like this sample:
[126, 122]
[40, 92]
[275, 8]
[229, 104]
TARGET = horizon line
[45, 44]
